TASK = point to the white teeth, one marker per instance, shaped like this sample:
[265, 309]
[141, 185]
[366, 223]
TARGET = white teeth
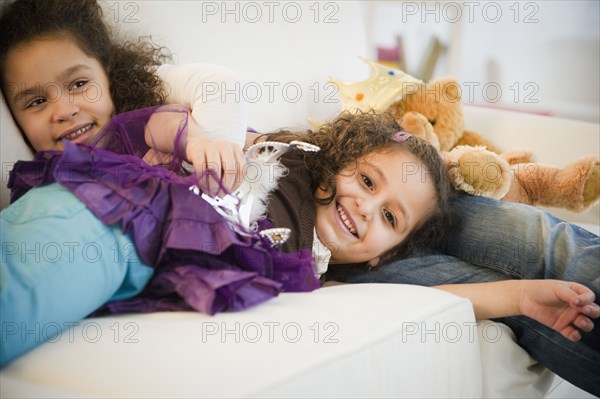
[79, 132]
[346, 221]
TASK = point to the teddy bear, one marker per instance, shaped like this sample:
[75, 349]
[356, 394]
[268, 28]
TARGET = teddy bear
[477, 166]
[433, 111]
[478, 171]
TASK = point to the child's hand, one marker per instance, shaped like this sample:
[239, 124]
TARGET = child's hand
[560, 305]
[224, 158]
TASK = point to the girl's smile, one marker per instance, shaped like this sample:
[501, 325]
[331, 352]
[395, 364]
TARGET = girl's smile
[56, 91]
[78, 133]
[346, 221]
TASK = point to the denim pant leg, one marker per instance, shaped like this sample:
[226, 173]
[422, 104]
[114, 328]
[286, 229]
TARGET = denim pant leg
[59, 264]
[424, 267]
[497, 241]
[522, 241]
[576, 362]
[526, 242]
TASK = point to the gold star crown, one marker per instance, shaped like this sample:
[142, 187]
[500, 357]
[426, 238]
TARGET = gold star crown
[385, 86]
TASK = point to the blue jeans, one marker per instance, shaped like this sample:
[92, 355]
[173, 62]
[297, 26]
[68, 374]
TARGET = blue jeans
[498, 241]
[59, 263]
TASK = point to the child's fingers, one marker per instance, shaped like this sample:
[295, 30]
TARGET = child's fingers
[203, 162]
[208, 183]
[571, 333]
[232, 163]
[583, 323]
[226, 161]
[583, 291]
[240, 162]
[580, 295]
[592, 310]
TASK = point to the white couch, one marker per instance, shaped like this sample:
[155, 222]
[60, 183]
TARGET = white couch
[344, 341]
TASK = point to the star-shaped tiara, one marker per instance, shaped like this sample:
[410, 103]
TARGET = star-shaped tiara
[379, 91]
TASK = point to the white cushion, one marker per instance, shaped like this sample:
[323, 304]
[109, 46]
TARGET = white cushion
[367, 340]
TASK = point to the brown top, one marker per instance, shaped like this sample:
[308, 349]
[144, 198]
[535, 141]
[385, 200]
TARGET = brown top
[291, 205]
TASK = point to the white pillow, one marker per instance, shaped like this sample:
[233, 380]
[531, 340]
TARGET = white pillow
[12, 149]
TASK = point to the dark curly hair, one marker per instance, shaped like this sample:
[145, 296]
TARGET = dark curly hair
[128, 63]
[352, 135]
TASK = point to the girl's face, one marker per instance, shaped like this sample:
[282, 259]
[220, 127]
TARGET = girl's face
[378, 203]
[55, 91]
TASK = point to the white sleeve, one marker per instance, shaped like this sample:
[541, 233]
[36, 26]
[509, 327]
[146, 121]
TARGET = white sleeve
[213, 94]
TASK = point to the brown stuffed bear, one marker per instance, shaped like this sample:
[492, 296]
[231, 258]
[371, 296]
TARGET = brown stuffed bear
[478, 171]
[433, 111]
[481, 172]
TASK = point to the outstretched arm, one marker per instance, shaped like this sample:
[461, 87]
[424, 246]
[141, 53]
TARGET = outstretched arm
[561, 305]
[217, 120]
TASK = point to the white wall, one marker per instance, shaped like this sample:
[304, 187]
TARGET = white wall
[543, 55]
[301, 44]
[285, 51]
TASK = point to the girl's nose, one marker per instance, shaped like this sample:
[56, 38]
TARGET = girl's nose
[365, 208]
[64, 109]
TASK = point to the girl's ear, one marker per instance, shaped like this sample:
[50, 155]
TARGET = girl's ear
[374, 262]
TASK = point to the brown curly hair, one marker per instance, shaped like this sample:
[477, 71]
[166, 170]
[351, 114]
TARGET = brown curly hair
[352, 135]
[128, 63]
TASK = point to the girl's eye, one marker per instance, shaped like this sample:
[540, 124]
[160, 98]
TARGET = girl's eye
[79, 84]
[389, 216]
[367, 180]
[36, 103]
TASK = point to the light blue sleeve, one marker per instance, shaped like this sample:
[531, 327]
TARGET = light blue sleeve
[58, 264]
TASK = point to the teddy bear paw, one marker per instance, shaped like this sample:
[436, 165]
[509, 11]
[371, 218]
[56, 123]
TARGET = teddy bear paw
[478, 171]
[591, 189]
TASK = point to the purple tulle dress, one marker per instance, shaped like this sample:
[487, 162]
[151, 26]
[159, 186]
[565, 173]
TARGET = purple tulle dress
[200, 262]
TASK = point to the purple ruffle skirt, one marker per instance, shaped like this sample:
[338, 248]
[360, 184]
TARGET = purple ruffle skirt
[200, 262]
